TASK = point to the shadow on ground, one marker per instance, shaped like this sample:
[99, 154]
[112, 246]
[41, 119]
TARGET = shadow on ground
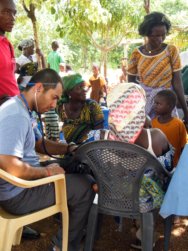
[110, 239]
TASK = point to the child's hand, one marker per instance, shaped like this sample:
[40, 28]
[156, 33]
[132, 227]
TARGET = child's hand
[185, 121]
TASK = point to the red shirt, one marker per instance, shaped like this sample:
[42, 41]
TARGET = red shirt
[8, 84]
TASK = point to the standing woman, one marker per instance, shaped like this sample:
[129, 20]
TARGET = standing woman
[26, 64]
[156, 65]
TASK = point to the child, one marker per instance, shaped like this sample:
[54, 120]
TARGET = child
[62, 70]
[97, 84]
[174, 128]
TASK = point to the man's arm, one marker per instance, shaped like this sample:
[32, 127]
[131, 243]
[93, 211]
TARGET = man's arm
[178, 88]
[20, 169]
[17, 68]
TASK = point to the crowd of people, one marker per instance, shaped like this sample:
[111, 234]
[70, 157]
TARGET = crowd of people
[151, 94]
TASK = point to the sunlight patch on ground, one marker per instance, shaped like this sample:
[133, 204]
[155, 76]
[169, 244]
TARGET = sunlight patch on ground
[185, 222]
[178, 231]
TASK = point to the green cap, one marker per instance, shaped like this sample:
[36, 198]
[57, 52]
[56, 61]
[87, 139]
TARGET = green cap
[69, 82]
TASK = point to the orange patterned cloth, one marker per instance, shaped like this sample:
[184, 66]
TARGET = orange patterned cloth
[155, 71]
[176, 134]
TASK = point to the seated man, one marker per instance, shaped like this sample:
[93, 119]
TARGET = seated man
[18, 157]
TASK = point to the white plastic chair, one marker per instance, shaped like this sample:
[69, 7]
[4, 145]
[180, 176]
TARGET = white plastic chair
[11, 225]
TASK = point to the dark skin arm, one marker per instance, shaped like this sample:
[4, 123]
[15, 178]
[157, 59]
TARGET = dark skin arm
[17, 68]
[99, 126]
[54, 148]
[105, 89]
[132, 79]
[178, 88]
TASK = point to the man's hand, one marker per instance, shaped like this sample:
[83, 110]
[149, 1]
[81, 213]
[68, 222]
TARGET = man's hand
[54, 169]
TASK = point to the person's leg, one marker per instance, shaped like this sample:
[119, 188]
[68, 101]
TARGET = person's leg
[30, 200]
[79, 195]
[80, 198]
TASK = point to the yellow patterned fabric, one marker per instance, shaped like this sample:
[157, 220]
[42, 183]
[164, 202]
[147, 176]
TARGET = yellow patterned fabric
[76, 130]
[155, 71]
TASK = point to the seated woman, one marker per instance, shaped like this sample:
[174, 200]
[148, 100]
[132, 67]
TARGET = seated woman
[78, 114]
[127, 120]
[126, 123]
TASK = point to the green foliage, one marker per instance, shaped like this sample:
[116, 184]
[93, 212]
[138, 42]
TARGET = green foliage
[114, 57]
[86, 29]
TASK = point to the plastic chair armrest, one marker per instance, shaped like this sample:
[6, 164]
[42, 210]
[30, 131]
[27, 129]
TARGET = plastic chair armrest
[29, 183]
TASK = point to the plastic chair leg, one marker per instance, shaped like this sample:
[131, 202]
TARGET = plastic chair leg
[147, 229]
[18, 236]
[3, 231]
[120, 227]
[10, 237]
[91, 228]
[65, 218]
[167, 231]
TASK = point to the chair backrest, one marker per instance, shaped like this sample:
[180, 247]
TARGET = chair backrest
[118, 168]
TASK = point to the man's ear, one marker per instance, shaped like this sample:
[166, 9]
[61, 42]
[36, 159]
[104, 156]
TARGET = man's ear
[38, 87]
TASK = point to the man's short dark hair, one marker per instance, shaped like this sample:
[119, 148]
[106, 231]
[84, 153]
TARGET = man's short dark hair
[48, 77]
[169, 96]
[152, 20]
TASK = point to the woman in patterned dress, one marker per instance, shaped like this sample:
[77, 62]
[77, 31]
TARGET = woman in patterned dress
[156, 65]
[78, 114]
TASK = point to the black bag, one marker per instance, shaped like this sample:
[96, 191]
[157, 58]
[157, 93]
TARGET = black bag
[70, 163]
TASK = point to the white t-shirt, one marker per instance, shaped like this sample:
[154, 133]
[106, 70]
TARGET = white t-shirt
[22, 60]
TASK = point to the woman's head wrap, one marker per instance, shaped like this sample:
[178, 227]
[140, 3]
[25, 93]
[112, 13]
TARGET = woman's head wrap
[127, 111]
[25, 44]
[69, 82]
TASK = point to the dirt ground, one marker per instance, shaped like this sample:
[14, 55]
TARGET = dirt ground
[110, 238]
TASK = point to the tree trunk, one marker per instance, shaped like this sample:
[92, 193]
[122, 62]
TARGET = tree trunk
[84, 51]
[147, 6]
[31, 14]
[34, 23]
[105, 64]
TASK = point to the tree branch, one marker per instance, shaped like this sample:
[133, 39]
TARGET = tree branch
[147, 6]
[25, 7]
